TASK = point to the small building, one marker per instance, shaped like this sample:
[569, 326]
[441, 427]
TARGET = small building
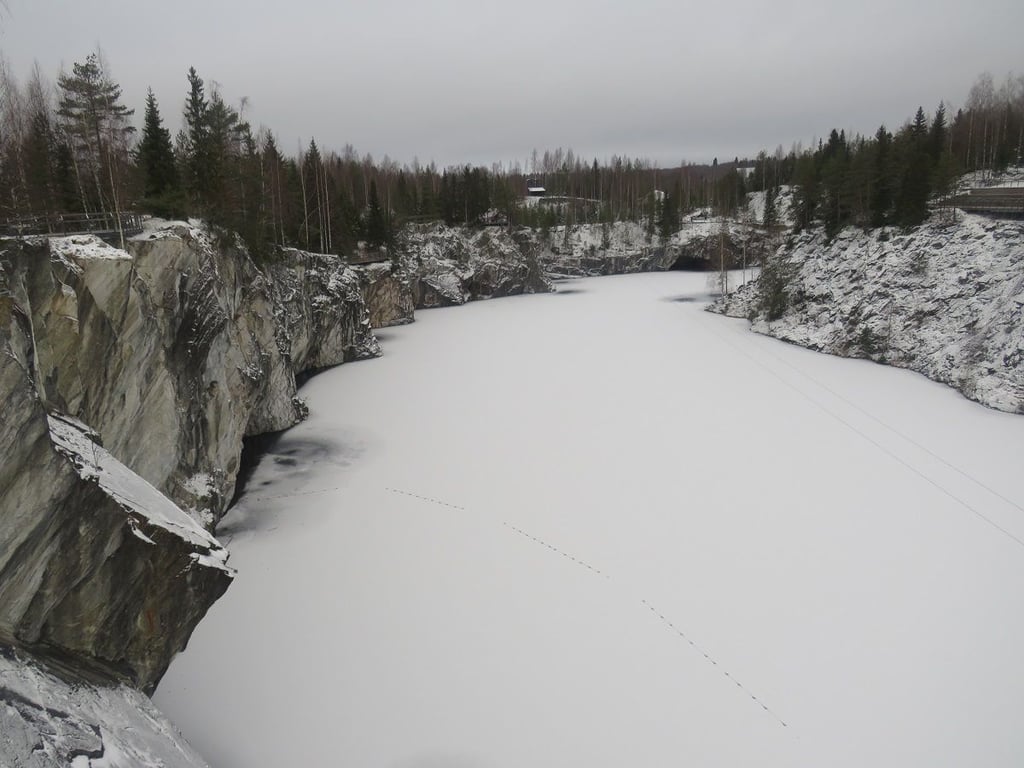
[534, 189]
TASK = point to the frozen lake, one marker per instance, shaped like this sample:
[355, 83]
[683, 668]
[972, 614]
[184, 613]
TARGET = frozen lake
[605, 528]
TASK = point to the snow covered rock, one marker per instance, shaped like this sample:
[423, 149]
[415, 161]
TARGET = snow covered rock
[945, 299]
[453, 265]
[46, 721]
[321, 316]
[112, 572]
[624, 247]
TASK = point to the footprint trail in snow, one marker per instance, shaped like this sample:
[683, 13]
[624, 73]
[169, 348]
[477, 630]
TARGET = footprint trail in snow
[583, 564]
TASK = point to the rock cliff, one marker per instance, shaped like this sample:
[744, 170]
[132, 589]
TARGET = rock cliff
[945, 299]
[129, 382]
[388, 294]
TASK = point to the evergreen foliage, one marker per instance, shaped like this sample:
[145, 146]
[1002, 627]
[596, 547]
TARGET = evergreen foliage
[75, 156]
[155, 158]
[669, 223]
[770, 217]
[96, 124]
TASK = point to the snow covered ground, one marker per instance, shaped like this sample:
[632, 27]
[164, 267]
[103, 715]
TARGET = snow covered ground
[605, 528]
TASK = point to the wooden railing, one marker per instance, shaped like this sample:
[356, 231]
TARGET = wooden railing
[104, 225]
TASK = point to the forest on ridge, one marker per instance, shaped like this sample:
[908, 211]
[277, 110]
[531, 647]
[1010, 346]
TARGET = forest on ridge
[72, 148]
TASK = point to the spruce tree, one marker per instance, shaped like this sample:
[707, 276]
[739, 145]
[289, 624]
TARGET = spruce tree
[881, 182]
[65, 187]
[937, 135]
[770, 218]
[155, 154]
[835, 178]
[807, 193]
[38, 163]
[195, 138]
[376, 224]
[669, 224]
[912, 201]
[223, 146]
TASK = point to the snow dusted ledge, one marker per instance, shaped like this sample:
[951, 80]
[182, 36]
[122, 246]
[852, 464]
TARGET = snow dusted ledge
[945, 299]
[145, 506]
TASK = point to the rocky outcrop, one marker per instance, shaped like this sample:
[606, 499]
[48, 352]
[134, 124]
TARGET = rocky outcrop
[177, 350]
[945, 300]
[452, 265]
[585, 250]
[48, 721]
[321, 318]
[388, 295]
[443, 265]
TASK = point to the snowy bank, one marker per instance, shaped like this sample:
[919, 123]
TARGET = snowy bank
[945, 299]
[46, 721]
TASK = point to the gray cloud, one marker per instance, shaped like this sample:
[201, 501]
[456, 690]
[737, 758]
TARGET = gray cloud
[456, 81]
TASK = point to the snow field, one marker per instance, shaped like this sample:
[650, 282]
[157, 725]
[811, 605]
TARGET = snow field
[605, 528]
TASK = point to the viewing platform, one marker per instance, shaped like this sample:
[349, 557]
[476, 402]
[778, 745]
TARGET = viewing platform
[107, 226]
[994, 201]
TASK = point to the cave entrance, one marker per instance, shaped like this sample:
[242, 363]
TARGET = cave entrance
[691, 264]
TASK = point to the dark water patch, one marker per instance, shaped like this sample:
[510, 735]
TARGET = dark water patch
[253, 449]
[278, 468]
[284, 460]
[691, 298]
[566, 291]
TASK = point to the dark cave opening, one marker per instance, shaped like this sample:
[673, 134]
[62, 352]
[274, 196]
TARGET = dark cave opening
[690, 264]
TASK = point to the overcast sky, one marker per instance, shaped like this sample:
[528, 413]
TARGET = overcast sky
[457, 81]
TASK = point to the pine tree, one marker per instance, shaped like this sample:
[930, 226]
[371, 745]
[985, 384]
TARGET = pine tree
[97, 127]
[156, 155]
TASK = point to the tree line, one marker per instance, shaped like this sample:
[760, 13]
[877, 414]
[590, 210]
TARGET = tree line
[891, 177]
[71, 148]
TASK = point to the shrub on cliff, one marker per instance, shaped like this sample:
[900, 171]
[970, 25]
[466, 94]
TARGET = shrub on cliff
[774, 281]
